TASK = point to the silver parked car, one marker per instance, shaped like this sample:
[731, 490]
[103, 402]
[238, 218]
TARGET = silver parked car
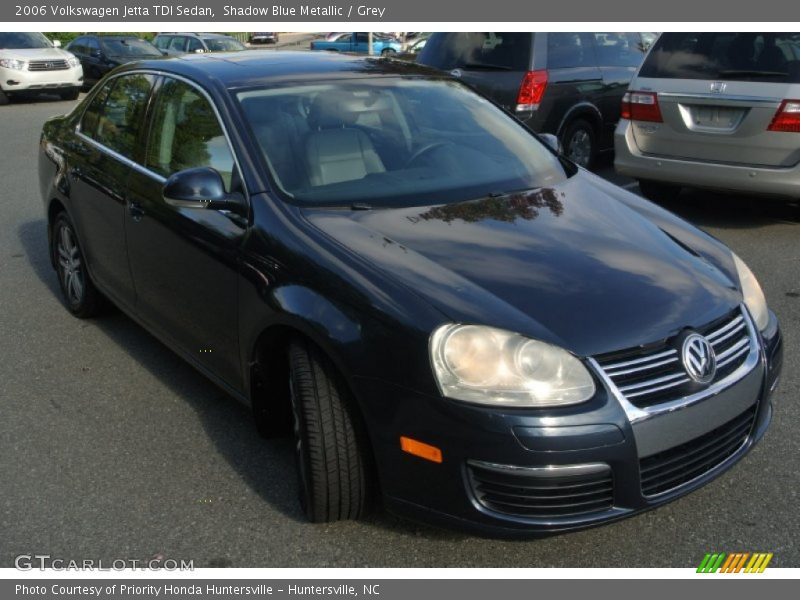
[714, 110]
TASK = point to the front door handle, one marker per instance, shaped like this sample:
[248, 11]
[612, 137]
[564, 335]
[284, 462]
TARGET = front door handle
[136, 211]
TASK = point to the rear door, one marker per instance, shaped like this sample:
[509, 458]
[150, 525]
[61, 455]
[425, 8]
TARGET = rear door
[494, 63]
[718, 93]
[619, 55]
[102, 158]
[573, 78]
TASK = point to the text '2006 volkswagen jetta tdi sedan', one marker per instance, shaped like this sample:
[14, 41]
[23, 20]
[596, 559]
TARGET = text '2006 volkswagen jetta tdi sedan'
[449, 316]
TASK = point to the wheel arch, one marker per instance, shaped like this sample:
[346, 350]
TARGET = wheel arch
[583, 110]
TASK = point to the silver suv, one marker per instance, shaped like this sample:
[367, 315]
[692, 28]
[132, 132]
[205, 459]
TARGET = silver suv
[714, 110]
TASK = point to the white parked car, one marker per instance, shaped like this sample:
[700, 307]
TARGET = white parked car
[29, 62]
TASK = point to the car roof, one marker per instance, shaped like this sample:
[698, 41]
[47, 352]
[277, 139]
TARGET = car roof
[251, 68]
[196, 34]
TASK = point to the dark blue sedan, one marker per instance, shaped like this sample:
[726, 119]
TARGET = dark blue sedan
[448, 316]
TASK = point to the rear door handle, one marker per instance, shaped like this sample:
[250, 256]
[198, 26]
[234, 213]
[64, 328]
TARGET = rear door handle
[136, 211]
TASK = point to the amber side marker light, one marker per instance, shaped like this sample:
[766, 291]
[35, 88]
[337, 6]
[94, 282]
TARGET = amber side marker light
[426, 451]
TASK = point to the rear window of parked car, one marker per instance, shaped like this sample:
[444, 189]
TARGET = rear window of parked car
[493, 50]
[765, 57]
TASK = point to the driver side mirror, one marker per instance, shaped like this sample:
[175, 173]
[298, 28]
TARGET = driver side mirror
[552, 141]
[202, 187]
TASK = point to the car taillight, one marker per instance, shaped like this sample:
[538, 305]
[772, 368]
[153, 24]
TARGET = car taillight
[641, 106]
[787, 118]
[531, 91]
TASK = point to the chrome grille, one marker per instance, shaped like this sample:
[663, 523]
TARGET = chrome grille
[681, 464]
[524, 493]
[650, 376]
[48, 65]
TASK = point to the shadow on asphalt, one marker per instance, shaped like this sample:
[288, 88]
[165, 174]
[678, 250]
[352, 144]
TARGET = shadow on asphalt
[266, 466]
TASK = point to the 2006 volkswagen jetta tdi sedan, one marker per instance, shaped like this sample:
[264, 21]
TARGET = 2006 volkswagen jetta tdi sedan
[447, 314]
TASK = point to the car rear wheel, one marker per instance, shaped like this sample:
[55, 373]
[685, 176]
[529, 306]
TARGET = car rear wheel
[388, 52]
[657, 191]
[579, 143]
[329, 447]
[80, 295]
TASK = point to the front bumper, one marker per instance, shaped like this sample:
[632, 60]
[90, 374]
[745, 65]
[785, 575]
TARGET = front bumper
[13, 80]
[590, 447]
[630, 161]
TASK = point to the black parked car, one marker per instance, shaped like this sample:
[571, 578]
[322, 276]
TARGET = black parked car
[99, 54]
[567, 84]
[444, 311]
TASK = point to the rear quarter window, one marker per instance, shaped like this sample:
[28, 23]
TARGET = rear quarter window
[508, 51]
[765, 57]
[568, 50]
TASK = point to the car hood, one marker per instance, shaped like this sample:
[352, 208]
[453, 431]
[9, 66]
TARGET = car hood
[573, 265]
[36, 54]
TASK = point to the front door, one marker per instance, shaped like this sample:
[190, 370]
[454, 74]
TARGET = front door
[184, 260]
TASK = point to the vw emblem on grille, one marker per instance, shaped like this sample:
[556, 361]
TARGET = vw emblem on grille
[698, 358]
[718, 87]
[49, 65]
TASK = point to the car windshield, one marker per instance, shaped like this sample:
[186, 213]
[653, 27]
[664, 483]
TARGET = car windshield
[223, 45]
[764, 57]
[393, 141]
[129, 47]
[20, 40]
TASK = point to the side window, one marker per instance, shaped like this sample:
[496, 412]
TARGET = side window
[77, 46]
[361, 38]
[119, 120]
[92, 47]
[178, 44]
[161, 42]
[186, 134]
[569, 50]
[618, 49]
[195, 45]
[92, 114]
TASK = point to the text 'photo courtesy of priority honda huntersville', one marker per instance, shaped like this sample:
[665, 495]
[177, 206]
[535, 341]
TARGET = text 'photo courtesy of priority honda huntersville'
[451, 318]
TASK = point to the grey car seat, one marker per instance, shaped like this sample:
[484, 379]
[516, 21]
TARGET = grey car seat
[335, 150]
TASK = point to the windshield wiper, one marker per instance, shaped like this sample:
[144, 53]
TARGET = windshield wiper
[486, 66]
[753, 73]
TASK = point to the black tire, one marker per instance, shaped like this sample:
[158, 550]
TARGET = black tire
[579, 141]
[388, 52]
[71, 94]
[79, 292]
[330, 447]
[657, 191]
[4, 98]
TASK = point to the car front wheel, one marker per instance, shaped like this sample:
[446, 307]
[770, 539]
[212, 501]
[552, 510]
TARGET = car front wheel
[330, 447]
[3, 98]
[71, 94]
[80, 295]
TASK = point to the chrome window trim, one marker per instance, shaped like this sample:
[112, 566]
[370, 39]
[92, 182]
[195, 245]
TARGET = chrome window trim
[142, 168]
[636, 414]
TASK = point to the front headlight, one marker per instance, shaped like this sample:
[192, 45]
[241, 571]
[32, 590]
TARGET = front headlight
[12, 63]
[753, 295]
[490, 366]
[73, 62]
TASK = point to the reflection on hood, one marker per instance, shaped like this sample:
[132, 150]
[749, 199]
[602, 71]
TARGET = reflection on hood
[521, 205]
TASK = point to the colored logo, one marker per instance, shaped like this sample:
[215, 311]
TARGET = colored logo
[737, 562]
[698, 358]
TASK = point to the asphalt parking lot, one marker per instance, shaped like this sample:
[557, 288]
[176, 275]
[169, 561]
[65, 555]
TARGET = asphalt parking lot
[112, 447]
